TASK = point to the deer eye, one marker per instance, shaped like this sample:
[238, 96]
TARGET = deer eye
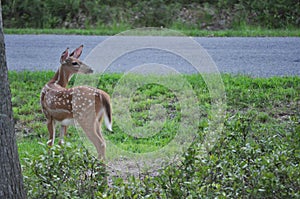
[74, 63]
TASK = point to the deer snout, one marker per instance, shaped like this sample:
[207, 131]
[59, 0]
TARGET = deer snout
[86, 69]
[90, 70]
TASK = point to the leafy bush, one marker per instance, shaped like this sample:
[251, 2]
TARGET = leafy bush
[64, 172]
[249, 162]
[268, 14]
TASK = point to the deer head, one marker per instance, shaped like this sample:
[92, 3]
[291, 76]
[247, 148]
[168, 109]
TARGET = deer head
[71, 63]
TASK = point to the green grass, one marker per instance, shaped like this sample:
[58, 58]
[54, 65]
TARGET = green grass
[236, 32]
[256, 156]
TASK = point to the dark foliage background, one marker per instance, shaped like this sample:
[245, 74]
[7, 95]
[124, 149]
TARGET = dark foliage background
[204, 14]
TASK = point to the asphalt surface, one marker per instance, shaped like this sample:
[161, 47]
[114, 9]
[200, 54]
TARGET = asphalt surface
[259, 56]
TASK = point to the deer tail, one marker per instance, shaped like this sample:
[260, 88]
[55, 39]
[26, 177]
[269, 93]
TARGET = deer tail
[107, 111]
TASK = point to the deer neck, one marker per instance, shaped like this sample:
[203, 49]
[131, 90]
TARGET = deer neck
[61, 78]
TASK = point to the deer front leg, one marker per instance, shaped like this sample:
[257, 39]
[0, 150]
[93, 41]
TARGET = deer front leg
[51, 130]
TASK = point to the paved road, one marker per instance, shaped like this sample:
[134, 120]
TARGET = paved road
[263, 57]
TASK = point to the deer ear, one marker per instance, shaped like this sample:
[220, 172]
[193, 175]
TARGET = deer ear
[64, 56]
[77, 52]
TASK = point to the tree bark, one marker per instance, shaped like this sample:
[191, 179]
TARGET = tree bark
[11, 180]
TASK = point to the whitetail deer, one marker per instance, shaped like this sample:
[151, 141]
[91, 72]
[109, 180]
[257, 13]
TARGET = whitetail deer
[85, 105]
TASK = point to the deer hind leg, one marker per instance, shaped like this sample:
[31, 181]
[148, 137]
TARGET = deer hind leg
[98, 126]
[63, 132]
[51, 130]
[98, 131]
[90, 129]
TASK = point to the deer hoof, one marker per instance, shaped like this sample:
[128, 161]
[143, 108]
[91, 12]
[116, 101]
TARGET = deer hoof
[61, 142]
[50, 142]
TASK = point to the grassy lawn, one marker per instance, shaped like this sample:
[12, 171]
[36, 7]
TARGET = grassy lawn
[257, 155]
[245, 31]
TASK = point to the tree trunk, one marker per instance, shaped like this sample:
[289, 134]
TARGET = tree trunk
[11, 181]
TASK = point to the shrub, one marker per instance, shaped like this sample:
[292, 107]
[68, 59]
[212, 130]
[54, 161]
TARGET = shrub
[215, 14]
[63, 172]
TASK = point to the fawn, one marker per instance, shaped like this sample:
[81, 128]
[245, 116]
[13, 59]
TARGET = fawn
[85, 105]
